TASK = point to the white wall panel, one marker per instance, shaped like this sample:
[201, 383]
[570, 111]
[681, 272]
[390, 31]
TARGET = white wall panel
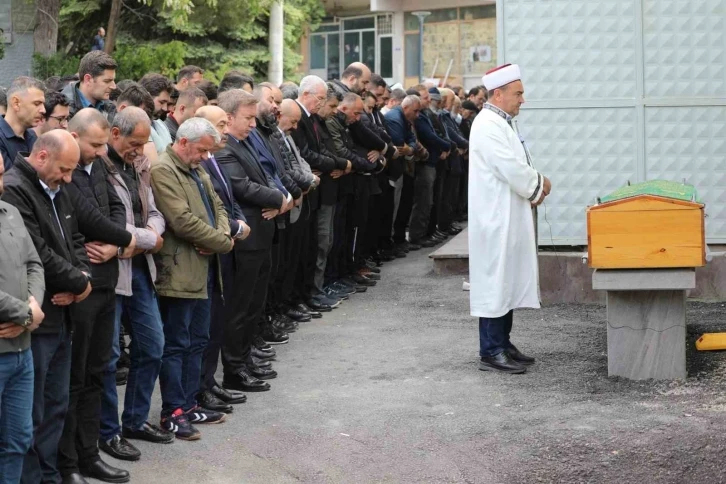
[620, 90]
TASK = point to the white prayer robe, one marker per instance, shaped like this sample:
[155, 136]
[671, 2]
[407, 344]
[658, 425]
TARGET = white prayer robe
[503, 270]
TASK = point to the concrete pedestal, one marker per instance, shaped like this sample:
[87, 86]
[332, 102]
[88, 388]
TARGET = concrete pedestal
[646, 313]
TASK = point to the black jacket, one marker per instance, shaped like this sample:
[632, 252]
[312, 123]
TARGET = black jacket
[172, 125]
[313, 150]
[253, 191]
[223, 186]
[107, 108]
[63, 255]
[97, 190]
[267, 136]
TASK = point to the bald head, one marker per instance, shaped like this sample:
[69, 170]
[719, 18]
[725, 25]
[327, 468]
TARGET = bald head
[85, 119]
[352, 106]
[91, 131]
[55, 155]
[356, 77]
[219, 119]
[290, 114]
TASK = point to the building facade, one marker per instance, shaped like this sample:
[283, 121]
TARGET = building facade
[460, 41]
[17, 20]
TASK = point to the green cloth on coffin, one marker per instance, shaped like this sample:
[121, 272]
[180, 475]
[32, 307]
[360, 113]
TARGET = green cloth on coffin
[658, 188]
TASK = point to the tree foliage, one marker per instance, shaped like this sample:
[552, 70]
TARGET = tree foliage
[163, 35]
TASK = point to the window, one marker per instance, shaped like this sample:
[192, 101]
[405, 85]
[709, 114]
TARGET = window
[333, 56]
[386, 70]
[368, 50]
[359, 23]
[317, 51]
[412, 55]
[351, 47]
[443, 15]
[475, 13]
[327, 28]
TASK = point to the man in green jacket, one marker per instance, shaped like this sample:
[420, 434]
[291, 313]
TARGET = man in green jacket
[197, 229]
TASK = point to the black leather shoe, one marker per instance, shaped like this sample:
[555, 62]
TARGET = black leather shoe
[243, 381]
[427, 242]
[75, 478]
[399, 254]
[120, 448]
[228, 396]
[261, 344]
[106, 473]
[412, 246]
[122, 375]
[520, 358]
[273, 336]
[319, 307]
[362, 280]
[262, 373]
[298, 316]
[149, 433]
[442, 235]
[305, 309]
[263, 354]
[372, 276]
[261, 363]
[502, 363]
[210, 402]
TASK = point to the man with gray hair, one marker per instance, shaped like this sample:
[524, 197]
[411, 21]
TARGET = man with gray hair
[312, 94]
[25, 110]
[397, 97]
[189, 270]
[187, 104]
[135, 295]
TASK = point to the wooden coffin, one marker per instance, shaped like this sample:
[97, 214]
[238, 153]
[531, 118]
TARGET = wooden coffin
[646, 231]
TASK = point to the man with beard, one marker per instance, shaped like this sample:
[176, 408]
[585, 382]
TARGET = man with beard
[26, 107]
[271, 159]
[56, 113]
[160, 89]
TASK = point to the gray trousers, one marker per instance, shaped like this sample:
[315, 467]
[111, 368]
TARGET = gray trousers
[423, 199]
[326, 219]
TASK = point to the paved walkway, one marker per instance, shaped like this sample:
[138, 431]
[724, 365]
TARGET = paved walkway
[385, 389]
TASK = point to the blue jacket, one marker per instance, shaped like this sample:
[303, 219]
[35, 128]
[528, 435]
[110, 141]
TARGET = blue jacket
[399, 128]
[431, 141]
[223, 186]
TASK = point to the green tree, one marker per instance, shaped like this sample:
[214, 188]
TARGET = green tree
[163, 35]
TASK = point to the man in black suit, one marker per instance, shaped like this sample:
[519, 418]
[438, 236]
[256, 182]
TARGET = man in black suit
[213, 396]
[312, 94]
[53, 217]
[261, 201]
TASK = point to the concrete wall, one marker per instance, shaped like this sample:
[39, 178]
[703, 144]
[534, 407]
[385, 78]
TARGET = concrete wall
[17, 19]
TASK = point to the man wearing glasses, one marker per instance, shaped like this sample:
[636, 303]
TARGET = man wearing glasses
[57, 112]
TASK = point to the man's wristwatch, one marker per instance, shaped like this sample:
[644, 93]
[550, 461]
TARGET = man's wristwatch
[29, 321]
[119, 251]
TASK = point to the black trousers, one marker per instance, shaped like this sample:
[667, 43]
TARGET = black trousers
[92, 340]
[210, 360]
[439, 191]
[359, 217]
[449, 200]
[404, 210]
[278, 266]
[385, 207]
[309, 257]
[291, 246]
[300, 230]
[337, 266]
[244, 308]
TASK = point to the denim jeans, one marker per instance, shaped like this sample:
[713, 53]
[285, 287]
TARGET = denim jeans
[186, 335]
[52, 366]
[494, 335]
[16, 413]
[146, 349]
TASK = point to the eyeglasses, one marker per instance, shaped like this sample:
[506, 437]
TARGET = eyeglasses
[60, 119]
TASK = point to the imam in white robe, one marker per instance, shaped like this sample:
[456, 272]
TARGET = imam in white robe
[503, 270]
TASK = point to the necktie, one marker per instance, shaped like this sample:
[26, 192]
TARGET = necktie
[221, 176]
[315, 129]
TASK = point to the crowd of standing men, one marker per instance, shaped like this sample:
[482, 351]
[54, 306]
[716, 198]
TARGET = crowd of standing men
[151, 227]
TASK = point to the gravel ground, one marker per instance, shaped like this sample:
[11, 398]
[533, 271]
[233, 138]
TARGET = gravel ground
[386, 389]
